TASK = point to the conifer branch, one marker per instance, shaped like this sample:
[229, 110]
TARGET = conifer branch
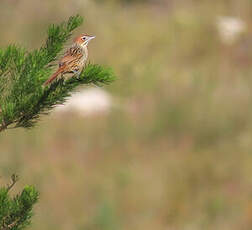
[15, 213]
[22, 74]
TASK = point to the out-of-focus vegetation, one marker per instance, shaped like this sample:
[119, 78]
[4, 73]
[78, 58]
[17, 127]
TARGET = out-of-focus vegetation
[175, 153]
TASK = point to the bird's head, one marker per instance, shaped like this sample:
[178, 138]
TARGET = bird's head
[83, 39]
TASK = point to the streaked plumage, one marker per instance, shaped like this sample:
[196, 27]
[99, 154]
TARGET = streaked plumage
[74, 58]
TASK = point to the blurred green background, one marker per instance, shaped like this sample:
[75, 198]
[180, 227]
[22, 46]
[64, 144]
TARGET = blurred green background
[175, 150]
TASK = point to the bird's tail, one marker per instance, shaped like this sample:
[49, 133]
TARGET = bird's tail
[59, 71]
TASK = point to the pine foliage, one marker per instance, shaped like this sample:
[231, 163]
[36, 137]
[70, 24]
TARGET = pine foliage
[16, 212]
[22, 74]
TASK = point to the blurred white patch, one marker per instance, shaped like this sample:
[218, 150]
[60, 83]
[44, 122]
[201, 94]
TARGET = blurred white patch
[87, 102]
[230, 29]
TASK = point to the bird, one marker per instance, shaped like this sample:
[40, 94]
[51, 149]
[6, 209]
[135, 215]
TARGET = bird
[74, 59]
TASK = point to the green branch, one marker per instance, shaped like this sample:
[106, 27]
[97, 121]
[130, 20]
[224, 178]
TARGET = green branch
[15, 213]
[22, 97]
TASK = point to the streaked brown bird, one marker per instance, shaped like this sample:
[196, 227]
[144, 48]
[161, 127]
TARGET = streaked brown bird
[74, 58]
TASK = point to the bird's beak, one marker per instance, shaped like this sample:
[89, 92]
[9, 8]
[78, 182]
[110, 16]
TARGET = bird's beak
[90, 38]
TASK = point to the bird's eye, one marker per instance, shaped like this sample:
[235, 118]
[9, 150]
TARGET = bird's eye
[84, 38]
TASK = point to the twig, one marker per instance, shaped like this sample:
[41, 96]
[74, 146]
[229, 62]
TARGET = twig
[14, 179]
[3, 126]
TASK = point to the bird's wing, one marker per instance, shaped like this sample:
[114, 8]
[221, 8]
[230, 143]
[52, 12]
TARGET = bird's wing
[70, 56]
[65, 60]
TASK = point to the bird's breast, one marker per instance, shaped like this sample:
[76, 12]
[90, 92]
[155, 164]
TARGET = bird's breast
[84, 55]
